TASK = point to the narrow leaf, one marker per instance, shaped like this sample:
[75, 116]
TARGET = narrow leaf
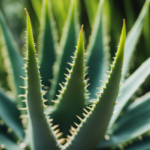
[71, 99]
[143, 144]
[47, 41]
[60, 12]
[91, 8]
[129, 126]
[94, 125]
[42, 133]
[97, 52]
[10, 115]
[8, 144]
[68, 40]
[129, 88]
[15, 59]
[133, 37]
[138, 109]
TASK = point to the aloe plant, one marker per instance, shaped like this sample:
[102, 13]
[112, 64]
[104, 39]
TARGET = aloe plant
[73, 119]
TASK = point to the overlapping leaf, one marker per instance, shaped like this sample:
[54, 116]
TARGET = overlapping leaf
[95, 121]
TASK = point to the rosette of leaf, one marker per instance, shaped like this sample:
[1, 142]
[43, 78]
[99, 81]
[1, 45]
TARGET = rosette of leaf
[44, 131]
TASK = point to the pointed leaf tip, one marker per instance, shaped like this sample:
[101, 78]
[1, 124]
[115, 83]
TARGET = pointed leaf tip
[25, 10]
[82, 27]
[124, 22]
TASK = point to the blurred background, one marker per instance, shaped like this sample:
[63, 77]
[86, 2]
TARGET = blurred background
[115, 10]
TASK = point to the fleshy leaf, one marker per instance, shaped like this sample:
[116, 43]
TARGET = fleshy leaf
[71, 99]
[96, 51]
[8, 144]
[69, 39]
[10, 115]
[143, 144]
[93, 126]
[133, 37]
[130, 127]
[15, 60]
[129, 88]
[47, 47]
[138, 109]
[43, 136]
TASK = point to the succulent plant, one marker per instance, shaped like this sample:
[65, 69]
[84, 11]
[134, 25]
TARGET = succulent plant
[72, 120]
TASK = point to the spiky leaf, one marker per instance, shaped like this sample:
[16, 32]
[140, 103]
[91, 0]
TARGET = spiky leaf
[96, 51]
[42, 133]
[129, 88]
[71, 99]
[129, 126]
[69, 39]
[94, 125]
[47, 47]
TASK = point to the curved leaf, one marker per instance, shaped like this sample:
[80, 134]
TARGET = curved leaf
[130, 86]
[133, 37]
[134, 123]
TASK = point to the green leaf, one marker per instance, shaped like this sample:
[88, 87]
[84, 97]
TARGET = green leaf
[143, 144]
[91, 8]
[71, 99]
[47, 41]
[43, 136]
[93, 126]
[60, 10]
[129, 88]
[97, 52]
[15, 59]
[138, 109]
[133, 37]
[68, 41]
[10, 115]
[8, 144]
[146, 30]
[129, 126]
[37, 7]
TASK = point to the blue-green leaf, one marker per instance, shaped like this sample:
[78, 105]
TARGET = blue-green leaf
[68, 41]
[43, 136]
[16, 62]
[93, 126]
[8, 144]
[10, 115]
[96, 54]
[71, 99]
[134, 123]
[129, 88]
[47, 44]
[133, 37]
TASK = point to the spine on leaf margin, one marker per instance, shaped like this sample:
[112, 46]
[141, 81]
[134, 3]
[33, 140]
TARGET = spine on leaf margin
[43, 134]
[92, 128]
